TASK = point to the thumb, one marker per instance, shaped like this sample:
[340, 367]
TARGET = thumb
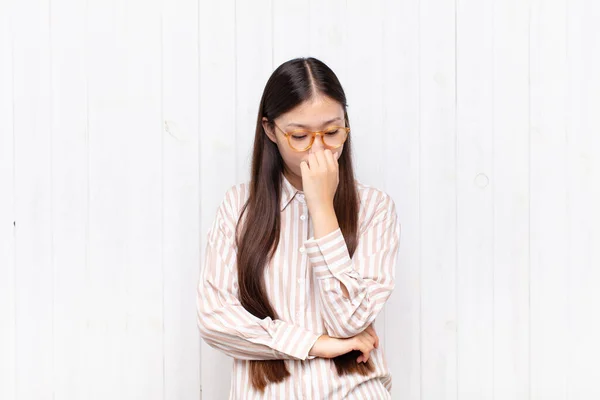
[304, 168]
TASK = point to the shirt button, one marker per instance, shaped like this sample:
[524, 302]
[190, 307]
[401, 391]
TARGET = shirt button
[303, 217]
[300, 280]
[301, 249]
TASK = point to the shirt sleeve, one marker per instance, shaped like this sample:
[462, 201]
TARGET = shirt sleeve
[368, 275]
[224, 323]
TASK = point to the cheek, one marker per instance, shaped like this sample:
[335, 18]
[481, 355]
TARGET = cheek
[296, 159]
[291, 158]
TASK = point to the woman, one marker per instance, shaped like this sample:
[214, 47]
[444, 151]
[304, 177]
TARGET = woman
[300, 260]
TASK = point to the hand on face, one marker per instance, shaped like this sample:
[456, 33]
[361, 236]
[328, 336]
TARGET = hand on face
[320, 178]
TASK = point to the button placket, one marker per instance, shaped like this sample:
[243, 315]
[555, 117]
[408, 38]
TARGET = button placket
[300, 281]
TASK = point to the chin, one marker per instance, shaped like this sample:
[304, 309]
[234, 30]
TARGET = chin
[295, 169]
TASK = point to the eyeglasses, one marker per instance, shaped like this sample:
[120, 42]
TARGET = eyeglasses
[302, 139]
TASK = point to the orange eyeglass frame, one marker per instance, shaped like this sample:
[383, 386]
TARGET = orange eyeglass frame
[314, 134]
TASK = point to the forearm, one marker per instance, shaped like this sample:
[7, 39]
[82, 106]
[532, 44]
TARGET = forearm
[350, 299]
[346, 317]
[353, 289]
[324, 221]
[249, 338]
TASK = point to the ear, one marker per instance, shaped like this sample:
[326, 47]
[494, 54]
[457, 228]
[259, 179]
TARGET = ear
[268, 131]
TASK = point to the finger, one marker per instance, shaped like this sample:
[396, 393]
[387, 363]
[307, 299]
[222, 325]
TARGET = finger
[304, 170]
[359, 345]
[366, 354]
[373, 338]
[367, 346]
[337, 157]
[313, 163]
[331, 162]
[376, 335]
[370, 333]
[363, 354]
[371, 330]
[321, 159]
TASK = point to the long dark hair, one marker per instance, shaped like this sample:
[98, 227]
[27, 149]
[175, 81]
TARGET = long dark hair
[291, 84]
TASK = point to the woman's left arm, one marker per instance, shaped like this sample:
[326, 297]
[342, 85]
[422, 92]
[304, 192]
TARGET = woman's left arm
[354, 290]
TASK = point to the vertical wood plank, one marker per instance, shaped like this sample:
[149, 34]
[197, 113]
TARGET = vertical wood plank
[69, 197]
[548, 202]
[400, 131]
[108, 190]
[289, 36]
[583, 197]
[106, 242]
[510, 187]
[217, 149]
[143, 368]
[474, 124]
[33, 200]
[254, 64]
[328, 35]
[125, 271]
[438, 200]
[181, 242]
[8, 338]
[363, 85]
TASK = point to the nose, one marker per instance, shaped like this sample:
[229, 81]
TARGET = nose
[317, 145]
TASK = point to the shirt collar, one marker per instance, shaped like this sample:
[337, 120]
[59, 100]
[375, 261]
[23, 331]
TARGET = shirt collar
[288, 191]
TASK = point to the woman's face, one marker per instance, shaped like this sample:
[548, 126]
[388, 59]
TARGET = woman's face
[316, 114]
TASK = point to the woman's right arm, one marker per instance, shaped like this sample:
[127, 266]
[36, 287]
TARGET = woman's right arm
[222, 320]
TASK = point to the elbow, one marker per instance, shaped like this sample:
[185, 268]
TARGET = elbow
[344, 333]
[212, 336]
[206, 329]
[346, 328]
[348, 325]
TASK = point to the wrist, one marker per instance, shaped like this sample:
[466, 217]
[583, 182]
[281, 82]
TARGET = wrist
[316, 350]
[321, 210]
[324, 222]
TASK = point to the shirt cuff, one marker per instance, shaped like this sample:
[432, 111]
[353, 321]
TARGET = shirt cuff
[329, 255]
[294, 341]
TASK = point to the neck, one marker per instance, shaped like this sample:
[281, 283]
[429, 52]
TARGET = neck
[294, 179]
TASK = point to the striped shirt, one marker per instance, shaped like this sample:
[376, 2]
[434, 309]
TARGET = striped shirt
[303, 284]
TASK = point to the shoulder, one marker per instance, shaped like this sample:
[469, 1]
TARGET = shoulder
[234, 199]
[375, 205]
[372, 197]
[230, 207]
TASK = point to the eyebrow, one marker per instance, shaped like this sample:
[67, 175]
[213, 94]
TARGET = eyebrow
[304, 126]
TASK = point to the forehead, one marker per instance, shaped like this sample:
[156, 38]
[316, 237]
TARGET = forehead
[314, 113]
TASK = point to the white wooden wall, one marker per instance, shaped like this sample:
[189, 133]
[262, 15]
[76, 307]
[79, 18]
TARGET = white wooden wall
[123, 122]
